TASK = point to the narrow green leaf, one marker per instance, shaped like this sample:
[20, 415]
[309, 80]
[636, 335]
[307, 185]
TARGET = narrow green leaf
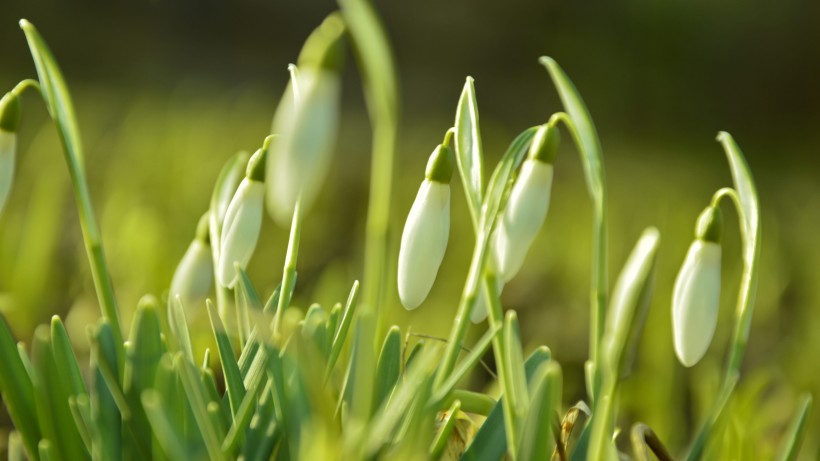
[263, 432]
[446, 425]
[195, 393]
[715, 411]
[51, 398]
[468, 364]
[629, 305]
[167, 433]
[538, 433]
[107, 400]
[643, 440]
[490, 443]
[68, 370]
[18, 391]
[254, 383]
[141, 359]
[82, 419]
[389, 366]
[469, 154]
[790, 446]
[585, 133]
[315, 328]
[47, 450]
[178, 322]
[344, 326]
[234, 385]
[57, 98]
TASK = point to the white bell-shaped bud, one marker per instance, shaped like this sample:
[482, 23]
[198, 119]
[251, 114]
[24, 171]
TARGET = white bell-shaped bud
[240, 231]
[194, 275]
[696, 296]
[522, 218]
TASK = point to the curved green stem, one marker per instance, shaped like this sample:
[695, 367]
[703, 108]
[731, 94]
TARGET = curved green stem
[598, 287]
[26, 84]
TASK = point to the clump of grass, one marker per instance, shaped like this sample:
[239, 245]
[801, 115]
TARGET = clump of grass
[336, 383]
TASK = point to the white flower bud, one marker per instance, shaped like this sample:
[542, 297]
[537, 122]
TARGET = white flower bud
[523, 216]
[695, 301]
[423, 242]
[8, 147]
[194, 275]
[240, 231]
[306, 126]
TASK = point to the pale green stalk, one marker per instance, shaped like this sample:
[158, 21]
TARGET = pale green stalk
[58, 101]
[288, 273]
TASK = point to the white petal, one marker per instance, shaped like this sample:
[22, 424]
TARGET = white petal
[423, 242]
[695, 301]
[522, 218]
[301, 154]
[8, 146]
[240, 231]
[194, 275]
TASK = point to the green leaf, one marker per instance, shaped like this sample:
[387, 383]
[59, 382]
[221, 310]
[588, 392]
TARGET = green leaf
[234, 385]
[538, 434]
[584, 133]
[195, 393]
[389, 366]
[715, 411]
[167, 432]
[446, 426]
[107, 400]
[68, 369]
[490, 443]
[515, 388]
[790, 447]
[253, 383]
[177, 321]
[629, 305]
[469, 154]
[141, 359]
[466, 365]
[61, 109]
[16, 449]
[51, 399]
[344, 326]
[314, 328]
[18, 391]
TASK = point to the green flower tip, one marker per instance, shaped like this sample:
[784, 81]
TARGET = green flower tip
[10, 112]
[324, 48]
[448, 138]
[256, 164]
[203, 228]
[440, 166]
[545, 144]
[710, 225]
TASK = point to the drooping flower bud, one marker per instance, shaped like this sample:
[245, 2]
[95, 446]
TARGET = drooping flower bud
[527, 206]
[696, 297]
[243, 221]
[195, 273]
[306, 121]
[426, 231]
[9, 122]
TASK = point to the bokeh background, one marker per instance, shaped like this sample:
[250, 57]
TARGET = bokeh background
[167, 91]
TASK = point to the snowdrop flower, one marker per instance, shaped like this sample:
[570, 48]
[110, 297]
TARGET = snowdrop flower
[426, 231]
[696, 297]
[306, 121]
[9, 122]
[243, 221]
[195, 273]
[527, 206]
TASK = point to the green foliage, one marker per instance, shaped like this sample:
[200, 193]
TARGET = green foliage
[330, 384]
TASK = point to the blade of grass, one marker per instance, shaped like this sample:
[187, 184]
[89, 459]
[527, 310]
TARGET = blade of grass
[469, 154]
[538, 433]
[107, 401]
[234, 385]
[167, 433]
[446, 425]
[790, 447]
[58, 101]
[18, 391]
[586, 139]
[468, 364]
[344, 326]
[389, 367]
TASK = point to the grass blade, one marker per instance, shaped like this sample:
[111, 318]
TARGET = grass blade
[790, 447]
[61, 109]
[538, 433]
[469, 362]
[389, 367]
[344, 327]
[18, 391]
[234, 385]
[107, 401]
[446, 425]
[490, 443]
[469, 154]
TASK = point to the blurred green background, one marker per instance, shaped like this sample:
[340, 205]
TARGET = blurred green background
[167, 91]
